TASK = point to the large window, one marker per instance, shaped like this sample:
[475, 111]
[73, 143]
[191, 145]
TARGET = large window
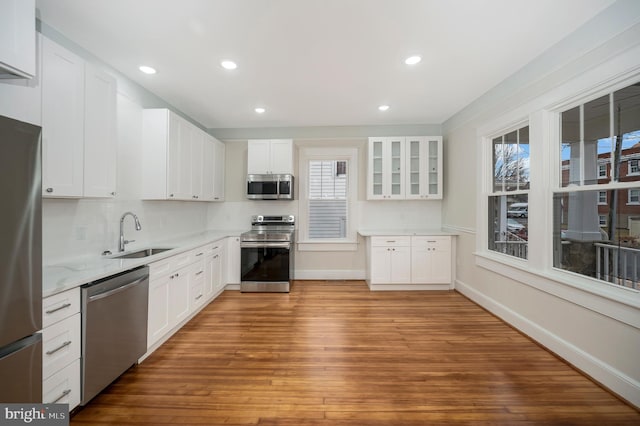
[594, 218]
[509, 199]
[328, 191]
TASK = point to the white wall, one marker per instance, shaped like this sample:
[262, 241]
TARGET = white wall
[599, 335]
[236, 212]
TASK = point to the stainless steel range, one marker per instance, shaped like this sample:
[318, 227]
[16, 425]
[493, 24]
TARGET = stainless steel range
[267, 254]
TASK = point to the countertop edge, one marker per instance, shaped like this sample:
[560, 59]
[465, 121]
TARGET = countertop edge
[405, 232]
[57, 278]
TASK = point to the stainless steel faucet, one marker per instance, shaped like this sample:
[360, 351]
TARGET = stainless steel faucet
[122, 240]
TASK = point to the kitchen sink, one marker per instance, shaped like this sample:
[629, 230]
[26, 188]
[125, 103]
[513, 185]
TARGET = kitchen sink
[141, 253]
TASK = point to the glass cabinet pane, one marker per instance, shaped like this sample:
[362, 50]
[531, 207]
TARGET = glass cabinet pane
[433, 167]
[414, 167]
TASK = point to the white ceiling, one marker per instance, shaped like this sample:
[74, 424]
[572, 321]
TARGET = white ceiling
[318, 62]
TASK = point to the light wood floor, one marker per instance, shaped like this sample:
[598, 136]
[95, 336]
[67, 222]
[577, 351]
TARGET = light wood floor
[333, 353]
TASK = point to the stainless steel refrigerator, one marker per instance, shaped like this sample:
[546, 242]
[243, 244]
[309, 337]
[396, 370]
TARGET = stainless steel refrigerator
[20, 262]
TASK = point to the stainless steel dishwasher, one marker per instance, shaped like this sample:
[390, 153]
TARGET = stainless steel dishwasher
[114, 328]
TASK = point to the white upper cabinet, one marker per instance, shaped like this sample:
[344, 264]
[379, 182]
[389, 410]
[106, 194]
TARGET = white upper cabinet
[386, 178]
[78, 126]
[178, 158]
[62, 121]
[404, 168]
[424, 167]
[100, 142]
[17, 38]
[218, 170]
[270, 156]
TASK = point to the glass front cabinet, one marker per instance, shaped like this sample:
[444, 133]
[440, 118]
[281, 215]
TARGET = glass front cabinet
[405, 168]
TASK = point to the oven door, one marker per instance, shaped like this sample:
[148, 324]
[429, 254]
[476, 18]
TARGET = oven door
[265, 266]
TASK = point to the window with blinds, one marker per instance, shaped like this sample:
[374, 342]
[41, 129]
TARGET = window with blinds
[328, 190]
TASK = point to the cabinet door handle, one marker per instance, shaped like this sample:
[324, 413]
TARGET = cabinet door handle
[59, 308]
[64, 345]
[49, 190]
[215, 257]
[65, 393]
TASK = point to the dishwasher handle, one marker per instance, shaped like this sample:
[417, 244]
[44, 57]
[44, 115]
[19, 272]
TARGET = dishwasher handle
[116, 290]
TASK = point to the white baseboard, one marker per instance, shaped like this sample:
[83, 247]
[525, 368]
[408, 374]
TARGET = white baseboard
[613, 379]
[328, 274]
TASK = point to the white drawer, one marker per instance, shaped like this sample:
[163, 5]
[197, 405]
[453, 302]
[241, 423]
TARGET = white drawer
[60, 345]
[439, 242]
[391, 241]
[60, 306]
[63, 387]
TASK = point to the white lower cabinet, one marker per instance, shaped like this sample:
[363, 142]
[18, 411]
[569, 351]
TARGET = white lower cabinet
[431, 259]
[409, 262]
[179, 287]
[63, 387]
[232, 265]
[390, 260]
[61, 348]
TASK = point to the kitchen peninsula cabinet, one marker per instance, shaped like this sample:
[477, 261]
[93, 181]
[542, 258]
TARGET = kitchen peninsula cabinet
[270, 156]
[79, 146]
[405, 168]
[179, 161]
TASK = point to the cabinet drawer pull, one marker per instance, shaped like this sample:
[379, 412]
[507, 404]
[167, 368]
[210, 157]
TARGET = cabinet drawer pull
[431, 241]
[391, 241]
[200, 254]
[59, 308]
[197, 298]
[215, 257]
[62, 346]
[199, 272]
[65, 393]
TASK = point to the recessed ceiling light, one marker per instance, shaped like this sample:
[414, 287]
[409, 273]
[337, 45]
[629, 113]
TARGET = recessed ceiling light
[412, 60]
[383, 107]
[229, 65]
[147, 70]
[260, 110]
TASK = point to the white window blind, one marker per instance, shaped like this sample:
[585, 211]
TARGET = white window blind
[328, 191]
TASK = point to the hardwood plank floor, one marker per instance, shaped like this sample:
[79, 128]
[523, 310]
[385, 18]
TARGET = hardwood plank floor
[334, 353]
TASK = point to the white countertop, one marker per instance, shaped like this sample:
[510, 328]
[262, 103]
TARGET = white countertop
[403, 232]
[67, 275]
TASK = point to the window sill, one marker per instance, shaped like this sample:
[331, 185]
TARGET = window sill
[327, 246]
[616, 302]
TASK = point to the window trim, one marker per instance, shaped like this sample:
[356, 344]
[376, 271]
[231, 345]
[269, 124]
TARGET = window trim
[350, 242]
[605, 174]
[633, 203]
[629, 172]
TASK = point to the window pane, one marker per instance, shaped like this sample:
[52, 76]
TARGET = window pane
[599, 240]
[497, 164]
[510, 161]
[328, 199]
[626, 115]
[570, 149]
[508, 224]
[597, 140]
[523, 158]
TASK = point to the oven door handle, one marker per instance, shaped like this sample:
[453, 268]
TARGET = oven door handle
[270, 244]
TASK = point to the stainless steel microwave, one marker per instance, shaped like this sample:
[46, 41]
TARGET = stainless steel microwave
[270, 187]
